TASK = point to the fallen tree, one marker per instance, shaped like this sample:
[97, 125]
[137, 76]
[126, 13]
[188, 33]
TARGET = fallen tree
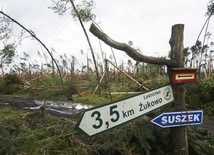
[133, 53]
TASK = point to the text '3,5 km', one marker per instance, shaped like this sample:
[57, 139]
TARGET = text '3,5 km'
[102, 118]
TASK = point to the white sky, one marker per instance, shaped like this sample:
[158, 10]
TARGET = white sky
[145, 22]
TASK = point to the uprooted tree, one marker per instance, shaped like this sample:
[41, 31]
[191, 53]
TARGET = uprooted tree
[179, 134]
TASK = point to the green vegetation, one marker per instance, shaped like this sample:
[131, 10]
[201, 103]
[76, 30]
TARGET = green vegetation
[25, 132]
[200, 95]
[10, 84]
[6, 55]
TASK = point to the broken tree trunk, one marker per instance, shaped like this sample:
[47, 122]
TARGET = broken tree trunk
[179, 134]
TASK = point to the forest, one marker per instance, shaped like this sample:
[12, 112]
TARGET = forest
[96, 82]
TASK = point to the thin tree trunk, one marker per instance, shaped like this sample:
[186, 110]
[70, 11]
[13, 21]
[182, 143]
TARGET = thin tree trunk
[2, 70]
[88, 40]
[53, 68]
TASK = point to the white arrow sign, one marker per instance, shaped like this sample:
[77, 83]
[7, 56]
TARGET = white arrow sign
[99, 119]
[181, 118]
[184, 76]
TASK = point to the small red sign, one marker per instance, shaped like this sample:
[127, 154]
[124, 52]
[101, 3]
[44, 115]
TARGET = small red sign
[183, 75]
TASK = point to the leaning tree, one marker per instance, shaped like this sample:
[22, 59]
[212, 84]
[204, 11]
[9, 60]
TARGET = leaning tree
[35, 37]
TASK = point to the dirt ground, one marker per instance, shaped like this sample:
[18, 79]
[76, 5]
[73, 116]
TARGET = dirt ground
[17, 101]
[27, 103]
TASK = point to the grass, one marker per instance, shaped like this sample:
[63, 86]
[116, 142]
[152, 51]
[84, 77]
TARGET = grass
[8, 113]
[23, 132]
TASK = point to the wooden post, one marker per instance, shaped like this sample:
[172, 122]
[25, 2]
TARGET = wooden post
[179, 134]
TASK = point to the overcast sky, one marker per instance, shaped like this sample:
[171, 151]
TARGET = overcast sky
[145, 22]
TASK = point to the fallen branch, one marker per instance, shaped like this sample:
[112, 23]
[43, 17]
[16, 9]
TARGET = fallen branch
[127, 75]
[124, 93]
[25, 115]
[133, 53]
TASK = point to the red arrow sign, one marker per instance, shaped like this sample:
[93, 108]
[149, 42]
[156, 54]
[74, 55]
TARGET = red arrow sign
[183, 75]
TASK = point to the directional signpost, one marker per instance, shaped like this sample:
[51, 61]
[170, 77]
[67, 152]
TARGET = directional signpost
[105, 117]
[183, 75]
[186, 76]
[175, 119]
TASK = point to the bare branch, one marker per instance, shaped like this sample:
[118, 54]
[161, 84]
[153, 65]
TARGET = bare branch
[35, 37]
[133, 53]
